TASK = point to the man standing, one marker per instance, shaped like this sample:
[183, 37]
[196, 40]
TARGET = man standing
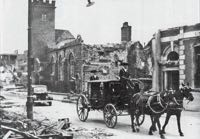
[94, 76]
[124, 75]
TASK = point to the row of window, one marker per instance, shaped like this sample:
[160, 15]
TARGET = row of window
[61, 68]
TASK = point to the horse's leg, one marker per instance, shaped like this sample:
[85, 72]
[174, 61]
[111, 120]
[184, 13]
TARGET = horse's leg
[132, 112]
[178, 116]
[159, 127]
[158, 124]
[153, 125]
[166, 122]
[137, 121]
[132, 122]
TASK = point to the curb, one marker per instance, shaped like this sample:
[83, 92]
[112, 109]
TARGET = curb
[65, 97]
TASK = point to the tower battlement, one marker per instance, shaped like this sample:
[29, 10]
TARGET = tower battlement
[44, 2]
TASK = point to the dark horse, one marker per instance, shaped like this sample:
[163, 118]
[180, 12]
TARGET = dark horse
[174, 109]
[153, 105]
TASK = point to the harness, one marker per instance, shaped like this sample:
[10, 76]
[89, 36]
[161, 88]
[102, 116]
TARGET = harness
[159, 102]
[180, 103]
[149, 98]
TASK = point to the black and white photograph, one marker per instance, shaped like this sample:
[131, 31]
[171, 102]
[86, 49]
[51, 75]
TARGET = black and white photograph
[99, 69]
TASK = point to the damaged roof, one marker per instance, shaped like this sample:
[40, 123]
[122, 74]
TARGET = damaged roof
[63, 35]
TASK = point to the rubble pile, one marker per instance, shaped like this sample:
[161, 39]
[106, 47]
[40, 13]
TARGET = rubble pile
[96, 133]
[16, 126]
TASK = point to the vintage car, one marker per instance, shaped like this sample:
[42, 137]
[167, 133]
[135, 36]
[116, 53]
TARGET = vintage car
[40, 95]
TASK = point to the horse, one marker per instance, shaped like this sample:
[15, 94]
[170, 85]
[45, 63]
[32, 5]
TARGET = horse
[174, 109]
[149, 104]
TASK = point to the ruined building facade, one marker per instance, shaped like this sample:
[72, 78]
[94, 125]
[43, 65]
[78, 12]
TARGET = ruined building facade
[67, 61]
[176, 57]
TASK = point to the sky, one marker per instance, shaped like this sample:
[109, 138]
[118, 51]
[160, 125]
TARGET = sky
[100, 23]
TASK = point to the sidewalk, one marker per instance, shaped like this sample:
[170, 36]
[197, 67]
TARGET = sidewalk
[57, 96]
[64, 97]
[72, 98]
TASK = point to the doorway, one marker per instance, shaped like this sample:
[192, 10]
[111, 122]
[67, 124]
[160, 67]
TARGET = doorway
[197, 64]
[173, 80]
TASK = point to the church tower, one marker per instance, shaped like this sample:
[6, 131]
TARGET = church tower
[43, 27]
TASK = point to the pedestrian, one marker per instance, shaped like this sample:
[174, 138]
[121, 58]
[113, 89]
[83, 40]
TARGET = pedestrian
[124, 75]
[94, 76]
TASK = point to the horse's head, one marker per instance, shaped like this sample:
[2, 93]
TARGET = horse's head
[186, 92]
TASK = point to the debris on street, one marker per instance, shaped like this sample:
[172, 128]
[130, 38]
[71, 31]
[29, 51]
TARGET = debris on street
[96, 133]
[13, 125]
[16, 126]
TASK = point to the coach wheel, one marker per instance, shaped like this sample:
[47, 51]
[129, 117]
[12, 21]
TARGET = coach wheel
[110, 116]
[82, 108]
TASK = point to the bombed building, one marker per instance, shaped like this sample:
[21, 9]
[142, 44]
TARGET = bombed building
[176, 57]
[66, 61]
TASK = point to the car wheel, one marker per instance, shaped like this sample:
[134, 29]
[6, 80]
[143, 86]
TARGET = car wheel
[50, 103]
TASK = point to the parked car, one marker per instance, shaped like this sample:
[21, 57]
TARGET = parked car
[40, 95]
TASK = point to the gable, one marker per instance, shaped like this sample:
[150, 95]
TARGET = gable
[62, 35]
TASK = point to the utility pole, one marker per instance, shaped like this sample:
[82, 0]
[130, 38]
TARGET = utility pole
[29, 103]
[199, 10]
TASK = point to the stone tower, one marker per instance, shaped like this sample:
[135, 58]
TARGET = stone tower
[125, 32]
[43, 28]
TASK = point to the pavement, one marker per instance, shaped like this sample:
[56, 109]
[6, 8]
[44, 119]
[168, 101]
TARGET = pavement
[64, 97]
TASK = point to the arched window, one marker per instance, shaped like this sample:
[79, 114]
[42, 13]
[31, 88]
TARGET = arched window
[173, 56]
[60, 68]
[52, 66]
[71, 66]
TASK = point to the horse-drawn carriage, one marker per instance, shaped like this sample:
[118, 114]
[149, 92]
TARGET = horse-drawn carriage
[114, 100]
[110, 97]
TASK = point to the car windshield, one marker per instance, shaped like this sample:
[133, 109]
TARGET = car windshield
[39, 89]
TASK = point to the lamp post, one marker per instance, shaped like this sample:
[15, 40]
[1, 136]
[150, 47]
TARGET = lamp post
[29, 103]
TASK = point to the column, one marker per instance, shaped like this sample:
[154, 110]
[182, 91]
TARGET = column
[156, 85]
[165, 80]
[181, 62]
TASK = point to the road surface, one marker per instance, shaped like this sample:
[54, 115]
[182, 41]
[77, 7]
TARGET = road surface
[190, 120]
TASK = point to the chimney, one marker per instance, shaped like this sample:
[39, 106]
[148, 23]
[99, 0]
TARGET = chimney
[125, 32]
